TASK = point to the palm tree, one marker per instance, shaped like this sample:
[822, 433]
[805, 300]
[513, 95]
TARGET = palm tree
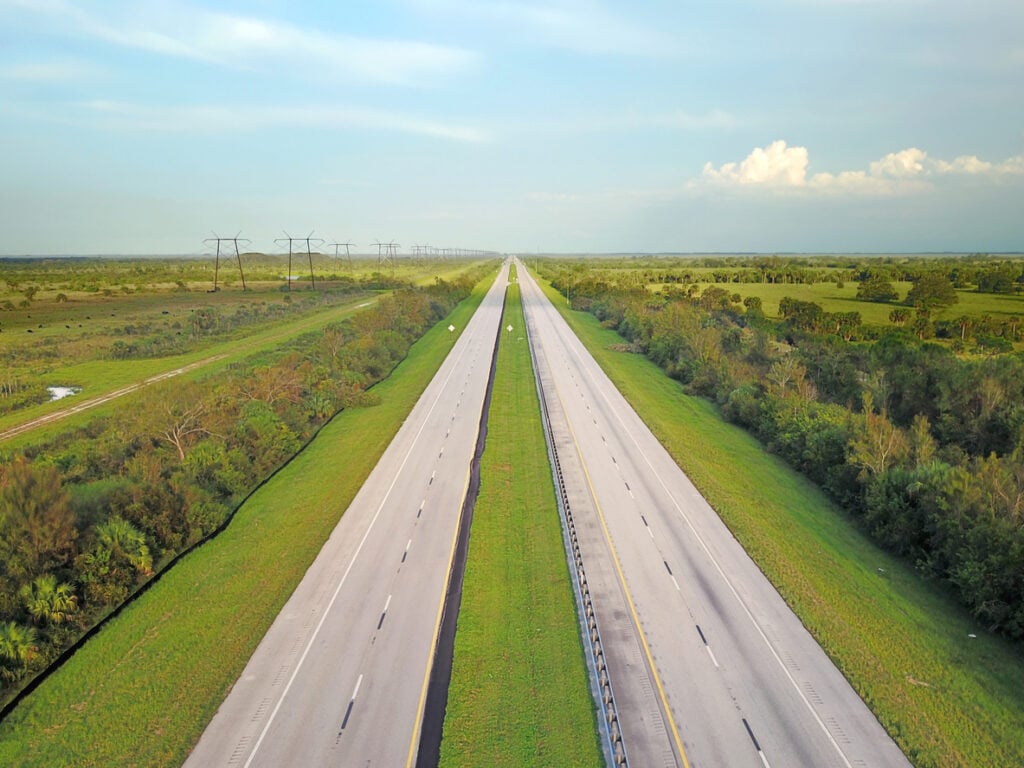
[17, 647]
[47, 601]
[125, 542]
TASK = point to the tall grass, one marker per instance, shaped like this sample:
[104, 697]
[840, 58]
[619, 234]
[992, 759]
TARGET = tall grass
[519, 693]
[947, 692]
[142, 691]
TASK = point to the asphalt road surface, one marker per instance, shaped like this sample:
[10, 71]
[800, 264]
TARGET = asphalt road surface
[709, 665]
[340, 677]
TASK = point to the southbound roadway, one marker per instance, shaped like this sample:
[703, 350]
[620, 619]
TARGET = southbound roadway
[341, 676]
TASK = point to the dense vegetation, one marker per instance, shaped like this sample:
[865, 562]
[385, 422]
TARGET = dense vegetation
[916, 427]
[89, 515]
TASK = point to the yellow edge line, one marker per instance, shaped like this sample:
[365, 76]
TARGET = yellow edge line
[414, 742]
[625, 589]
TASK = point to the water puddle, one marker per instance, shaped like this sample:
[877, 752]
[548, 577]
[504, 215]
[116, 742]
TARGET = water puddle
[59, 393]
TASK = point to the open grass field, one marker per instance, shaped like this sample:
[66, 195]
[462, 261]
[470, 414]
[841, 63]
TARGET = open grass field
[947, 698]
[519, 693]
[141, 692]
[98, 377]
[835, 299]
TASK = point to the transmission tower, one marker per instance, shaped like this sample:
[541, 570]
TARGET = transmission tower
[216, 265]
[346, 245]
[386, 253]
[309, 252]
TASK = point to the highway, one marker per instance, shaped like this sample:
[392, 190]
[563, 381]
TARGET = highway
[341, 676]
[708, 664]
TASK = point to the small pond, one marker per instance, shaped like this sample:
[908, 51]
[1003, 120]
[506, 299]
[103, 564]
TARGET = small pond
[59, 393]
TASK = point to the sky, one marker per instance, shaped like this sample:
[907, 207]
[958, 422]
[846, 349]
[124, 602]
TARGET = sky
[513, 125]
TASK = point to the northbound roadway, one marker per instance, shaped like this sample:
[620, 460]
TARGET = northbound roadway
[709, 666]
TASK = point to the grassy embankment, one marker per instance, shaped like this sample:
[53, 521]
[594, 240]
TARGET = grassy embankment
[947, 698]
[141, 691]
[519, 693]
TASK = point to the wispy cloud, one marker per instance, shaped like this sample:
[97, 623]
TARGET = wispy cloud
[623, 121]
[582, 26]
[115, 115]
[52, 71]
[782, 167]
[249, 42]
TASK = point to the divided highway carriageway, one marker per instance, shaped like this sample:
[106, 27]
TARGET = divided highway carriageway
[707, 664]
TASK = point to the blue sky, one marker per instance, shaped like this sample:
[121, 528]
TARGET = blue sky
[567, 125]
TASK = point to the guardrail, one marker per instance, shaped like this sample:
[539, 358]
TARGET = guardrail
[615, 749]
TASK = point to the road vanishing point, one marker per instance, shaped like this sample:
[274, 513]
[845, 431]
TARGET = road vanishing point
[708, 664]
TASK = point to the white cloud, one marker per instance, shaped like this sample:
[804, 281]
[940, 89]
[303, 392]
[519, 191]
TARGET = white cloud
[785, 167]
[775, 165]
[248, 42]
[216, 119]
[904, 164]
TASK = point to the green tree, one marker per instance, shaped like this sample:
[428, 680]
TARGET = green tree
[877, 443]
[876, 288]
[932, 290]
[125, 542]
[117, 558]
[899, 317]
[17, 649]
[48, 602]
[37, 527]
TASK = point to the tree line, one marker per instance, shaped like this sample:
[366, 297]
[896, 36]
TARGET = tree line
[924, 448]
[89, 515]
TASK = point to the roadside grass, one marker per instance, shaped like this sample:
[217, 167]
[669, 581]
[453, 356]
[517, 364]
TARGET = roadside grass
[519, 693]
[948, 699]
[142, 690]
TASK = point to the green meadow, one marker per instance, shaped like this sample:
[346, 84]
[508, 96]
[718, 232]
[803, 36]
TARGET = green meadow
[519, 693]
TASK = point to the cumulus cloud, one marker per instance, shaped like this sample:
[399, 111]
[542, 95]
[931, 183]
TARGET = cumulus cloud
[776, 164]
[781, 166]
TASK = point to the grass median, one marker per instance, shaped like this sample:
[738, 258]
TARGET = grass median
[142, 691]
[948, 693]
[519, 693]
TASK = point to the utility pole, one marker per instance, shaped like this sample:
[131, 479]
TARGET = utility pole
[216, 267]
